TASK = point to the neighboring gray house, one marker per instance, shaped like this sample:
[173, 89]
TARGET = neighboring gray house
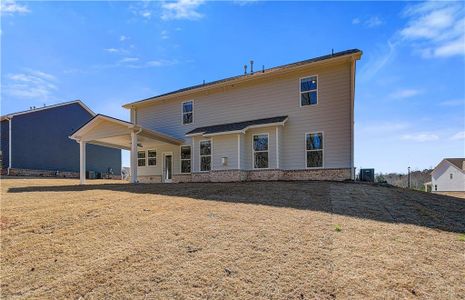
[449, 176]
[291, 122]
[35, 142]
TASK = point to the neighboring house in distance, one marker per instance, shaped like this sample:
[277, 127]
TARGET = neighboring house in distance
[449, 176]
[292, 122]
[36, 142]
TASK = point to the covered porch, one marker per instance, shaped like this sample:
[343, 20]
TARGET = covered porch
[115, 133]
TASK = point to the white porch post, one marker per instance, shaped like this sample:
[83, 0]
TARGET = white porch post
[133, 157]
[277, 147]
[82, 162]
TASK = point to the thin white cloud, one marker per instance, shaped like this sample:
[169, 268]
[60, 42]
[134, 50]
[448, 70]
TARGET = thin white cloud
[437, 28]
[405, 93]
[137, 63]
[181, 9]
[382, 128]
[245, 2]
[453, 102]
[164, 34]
[160, 63]
[373, 22]
[11, 7]
[123, 38]
[370, 22]
[111, 50]
[458, 136]
[432, 29]
[129, 60]
[142, 9]
[420, 137]
[377, 59]
[30, 84]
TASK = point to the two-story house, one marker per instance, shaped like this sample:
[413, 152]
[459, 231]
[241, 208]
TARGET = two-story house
[35, 142]
[292, 122]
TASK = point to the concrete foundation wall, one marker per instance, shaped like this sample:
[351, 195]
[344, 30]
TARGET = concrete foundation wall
[259, 175]
[45, 173]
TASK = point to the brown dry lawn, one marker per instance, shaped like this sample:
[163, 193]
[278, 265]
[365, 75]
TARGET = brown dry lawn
[255, 240]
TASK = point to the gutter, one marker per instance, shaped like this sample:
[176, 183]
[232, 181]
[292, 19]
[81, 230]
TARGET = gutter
[237, 131]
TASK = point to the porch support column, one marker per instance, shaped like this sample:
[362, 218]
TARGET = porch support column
[82, 162]
[277, 147]
[239, 151]
[133, 157]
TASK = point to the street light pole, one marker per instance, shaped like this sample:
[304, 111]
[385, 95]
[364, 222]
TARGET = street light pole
[408, 177]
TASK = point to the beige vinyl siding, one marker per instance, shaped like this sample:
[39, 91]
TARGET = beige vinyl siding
[105, 129]
[157, 169]
[225, 146]
[269, 98]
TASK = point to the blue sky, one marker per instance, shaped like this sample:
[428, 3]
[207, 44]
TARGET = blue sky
[410, 89]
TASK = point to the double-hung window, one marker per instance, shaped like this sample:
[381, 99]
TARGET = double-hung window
[308, 91]
[152, 157]
[205, 155]
[260, 151]
[187, 112]
[185, 159]
[141, 158]
[314, 149]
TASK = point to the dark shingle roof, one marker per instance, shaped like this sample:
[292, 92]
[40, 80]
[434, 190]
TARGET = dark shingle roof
[257, 73]
[458, 162]
[235, 126]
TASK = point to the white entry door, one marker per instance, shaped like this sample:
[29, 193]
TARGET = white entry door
[167, 167]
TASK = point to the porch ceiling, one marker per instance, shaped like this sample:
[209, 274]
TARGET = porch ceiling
[110, 132]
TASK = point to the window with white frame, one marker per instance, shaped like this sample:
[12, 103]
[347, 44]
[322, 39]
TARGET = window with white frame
[187, 112]
[151, 157]
[314, 149]
[141, 158]
[185, 159]
[308, 91]
[205, 155]
[260, 151]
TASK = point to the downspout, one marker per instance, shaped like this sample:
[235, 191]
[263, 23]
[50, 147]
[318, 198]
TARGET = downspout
[352, 120]
[133, 115]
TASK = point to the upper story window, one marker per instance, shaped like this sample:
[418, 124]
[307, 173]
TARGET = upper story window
[141, 158]
[187, 112]
[185, 159]
[451, 176]
[314, 149]
[260, 151]
[309, 91]
[205, 155]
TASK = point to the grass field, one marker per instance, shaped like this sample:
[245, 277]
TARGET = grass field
[255, 240]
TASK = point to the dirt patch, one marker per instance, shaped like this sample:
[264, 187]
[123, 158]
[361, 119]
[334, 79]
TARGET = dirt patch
[452, 194]
[254, 240]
